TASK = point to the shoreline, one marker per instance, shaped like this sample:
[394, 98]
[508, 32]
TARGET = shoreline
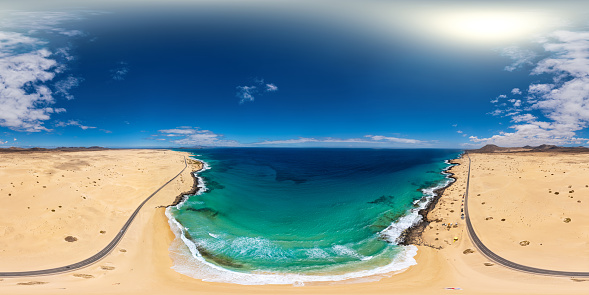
[195, 188]
[414, 234]
[435, 270]
[60, 207]
[406, 239]
[142, 262]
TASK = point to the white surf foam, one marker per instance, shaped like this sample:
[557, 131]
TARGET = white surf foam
[202, 186]
[188, 261]
[316, 253]
[412, 217]
[192, 264]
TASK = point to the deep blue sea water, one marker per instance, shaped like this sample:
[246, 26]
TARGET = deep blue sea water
[277, 215]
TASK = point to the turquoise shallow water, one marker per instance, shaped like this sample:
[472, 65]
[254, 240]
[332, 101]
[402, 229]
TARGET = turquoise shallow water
[310, 212]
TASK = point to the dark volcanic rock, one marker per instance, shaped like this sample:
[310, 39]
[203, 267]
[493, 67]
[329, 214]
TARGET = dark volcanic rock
[490, 148]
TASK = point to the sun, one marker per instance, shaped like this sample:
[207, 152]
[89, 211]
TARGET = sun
[486, 26]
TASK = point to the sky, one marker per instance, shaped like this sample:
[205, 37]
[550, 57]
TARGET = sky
[285, 73]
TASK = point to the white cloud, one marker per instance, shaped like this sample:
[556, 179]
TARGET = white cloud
[306, 140]
[64, 52]
[178, 131]
[459, 131]
[248, 93]
[64, 86]
[27, 69]
[504, 109]
[496, 112]
[564, 103]
[540, 89]
[533, 133]
[520, 57]
[373, 139]
[38, 21]
[69, 33]
[24, 99]
[48, 21]
[394, 139]
[496, 100]
[523, 118]
[571, 55]
[289, 141]
[193, 136]
[120, 71]
[516, 91]
[73, 123]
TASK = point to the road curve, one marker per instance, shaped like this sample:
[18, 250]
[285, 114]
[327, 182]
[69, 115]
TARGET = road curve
[500, 260]
[98, 256]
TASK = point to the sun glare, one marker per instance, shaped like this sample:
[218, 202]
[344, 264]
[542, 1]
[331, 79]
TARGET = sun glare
[487, 26]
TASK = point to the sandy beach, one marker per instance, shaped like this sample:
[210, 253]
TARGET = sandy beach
[46, 197]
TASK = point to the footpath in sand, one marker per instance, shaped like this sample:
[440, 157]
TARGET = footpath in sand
[99, 190]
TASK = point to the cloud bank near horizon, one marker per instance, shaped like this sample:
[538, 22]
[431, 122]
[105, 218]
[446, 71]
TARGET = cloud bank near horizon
[194, 136]
[551, 112]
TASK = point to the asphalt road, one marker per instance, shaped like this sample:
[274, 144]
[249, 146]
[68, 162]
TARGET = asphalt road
[500, 260]
[98, 256]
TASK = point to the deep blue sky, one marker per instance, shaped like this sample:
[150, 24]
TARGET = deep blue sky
[346, 74]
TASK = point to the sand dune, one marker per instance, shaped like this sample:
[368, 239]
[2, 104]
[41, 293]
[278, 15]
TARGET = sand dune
[516, 213]
[57, 208]
[99, 189]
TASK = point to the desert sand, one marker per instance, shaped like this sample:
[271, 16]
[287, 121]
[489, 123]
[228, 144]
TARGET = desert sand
[35, 238]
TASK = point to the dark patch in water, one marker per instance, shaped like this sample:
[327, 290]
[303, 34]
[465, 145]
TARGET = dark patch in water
[338, 204]
[218, 259]
[385, 200]
[384, 221]
[287, 176]
[206, 211]
[211, 184]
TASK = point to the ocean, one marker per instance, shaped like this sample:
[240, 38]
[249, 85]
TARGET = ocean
[297, 215]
